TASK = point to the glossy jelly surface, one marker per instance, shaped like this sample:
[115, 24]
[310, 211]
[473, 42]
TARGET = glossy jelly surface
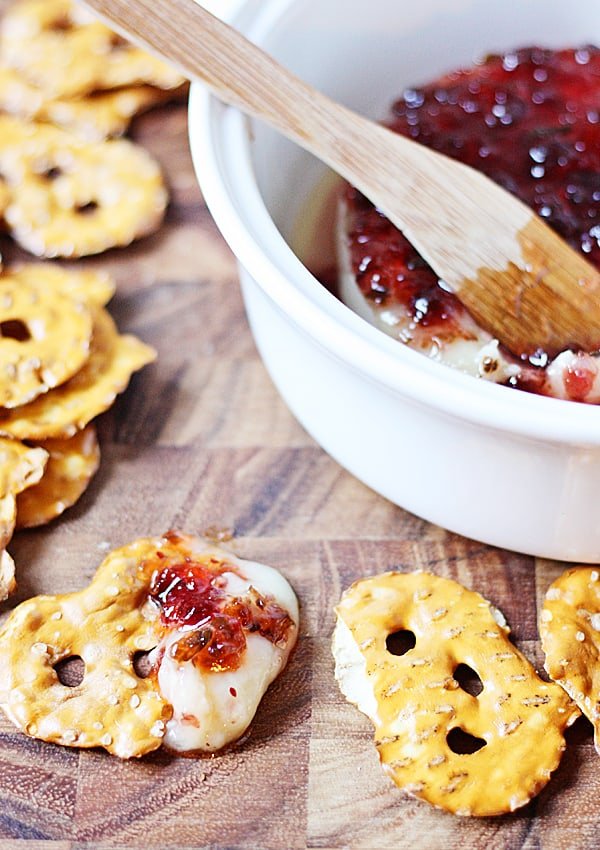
[530, 120]
[194, 596]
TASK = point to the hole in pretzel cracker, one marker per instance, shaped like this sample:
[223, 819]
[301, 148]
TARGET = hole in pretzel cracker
[462, 743]
[70, 671]
[53, 172]
[15, 329]
[400, 642]
[87, 209]
[62, 24]
[468, 680]
[142, 664]
[117, 42]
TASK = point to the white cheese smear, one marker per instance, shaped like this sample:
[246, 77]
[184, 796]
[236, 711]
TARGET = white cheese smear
[213, 708]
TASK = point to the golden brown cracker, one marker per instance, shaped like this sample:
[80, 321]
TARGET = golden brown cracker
[105, 625]
[94, 288]
[8, 518]
[416, 702]
[20, 467]
[100, 115]
[72, 198]
[106, 114]
[44, 337]
[61, 48]
[5, 197]
[17, 96]
[63, 411]
[570, 632]
[71, 465]
[7, 570]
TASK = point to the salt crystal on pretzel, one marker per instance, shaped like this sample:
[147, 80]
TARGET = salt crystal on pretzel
[44, 338]
[416, 702]
[96, 117]
[66, 52]
[72, 198]
[63, 411]
[570, 632]
[71, 465]
[215, 626]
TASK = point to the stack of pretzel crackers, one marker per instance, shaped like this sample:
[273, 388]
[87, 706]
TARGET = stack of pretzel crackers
[68, 189]
[68, 85]
[62, 363]
[402, 641]
[61, 66]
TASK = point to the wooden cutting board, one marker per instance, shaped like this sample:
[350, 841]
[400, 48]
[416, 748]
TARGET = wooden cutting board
[202, 439]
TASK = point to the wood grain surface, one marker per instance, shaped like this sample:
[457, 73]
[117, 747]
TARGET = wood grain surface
[202, 439]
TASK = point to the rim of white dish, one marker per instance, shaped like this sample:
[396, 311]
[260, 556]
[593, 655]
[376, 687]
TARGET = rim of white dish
[220, 142]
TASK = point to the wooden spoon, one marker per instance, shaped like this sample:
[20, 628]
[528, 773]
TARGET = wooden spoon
[517, 278]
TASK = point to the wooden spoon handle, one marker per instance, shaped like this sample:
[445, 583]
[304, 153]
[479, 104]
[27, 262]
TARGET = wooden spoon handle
[202, 47]
[516, 276]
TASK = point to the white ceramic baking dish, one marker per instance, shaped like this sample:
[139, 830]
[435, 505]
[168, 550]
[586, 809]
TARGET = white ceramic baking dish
[492, 463]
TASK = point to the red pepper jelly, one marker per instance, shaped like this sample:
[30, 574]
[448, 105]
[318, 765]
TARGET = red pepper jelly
[193, 596]
[530, 120]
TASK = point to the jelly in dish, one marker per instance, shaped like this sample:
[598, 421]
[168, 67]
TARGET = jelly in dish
[530, 120]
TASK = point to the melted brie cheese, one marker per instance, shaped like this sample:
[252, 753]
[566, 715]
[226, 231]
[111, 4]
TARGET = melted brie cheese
[473, 350]
[214, 708]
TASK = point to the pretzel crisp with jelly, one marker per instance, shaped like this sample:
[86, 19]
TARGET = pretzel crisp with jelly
[570, 632]
[420, 710]
[65, 51]
[215, 629]
[73, 198]
[71, 465]
[63, 411]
